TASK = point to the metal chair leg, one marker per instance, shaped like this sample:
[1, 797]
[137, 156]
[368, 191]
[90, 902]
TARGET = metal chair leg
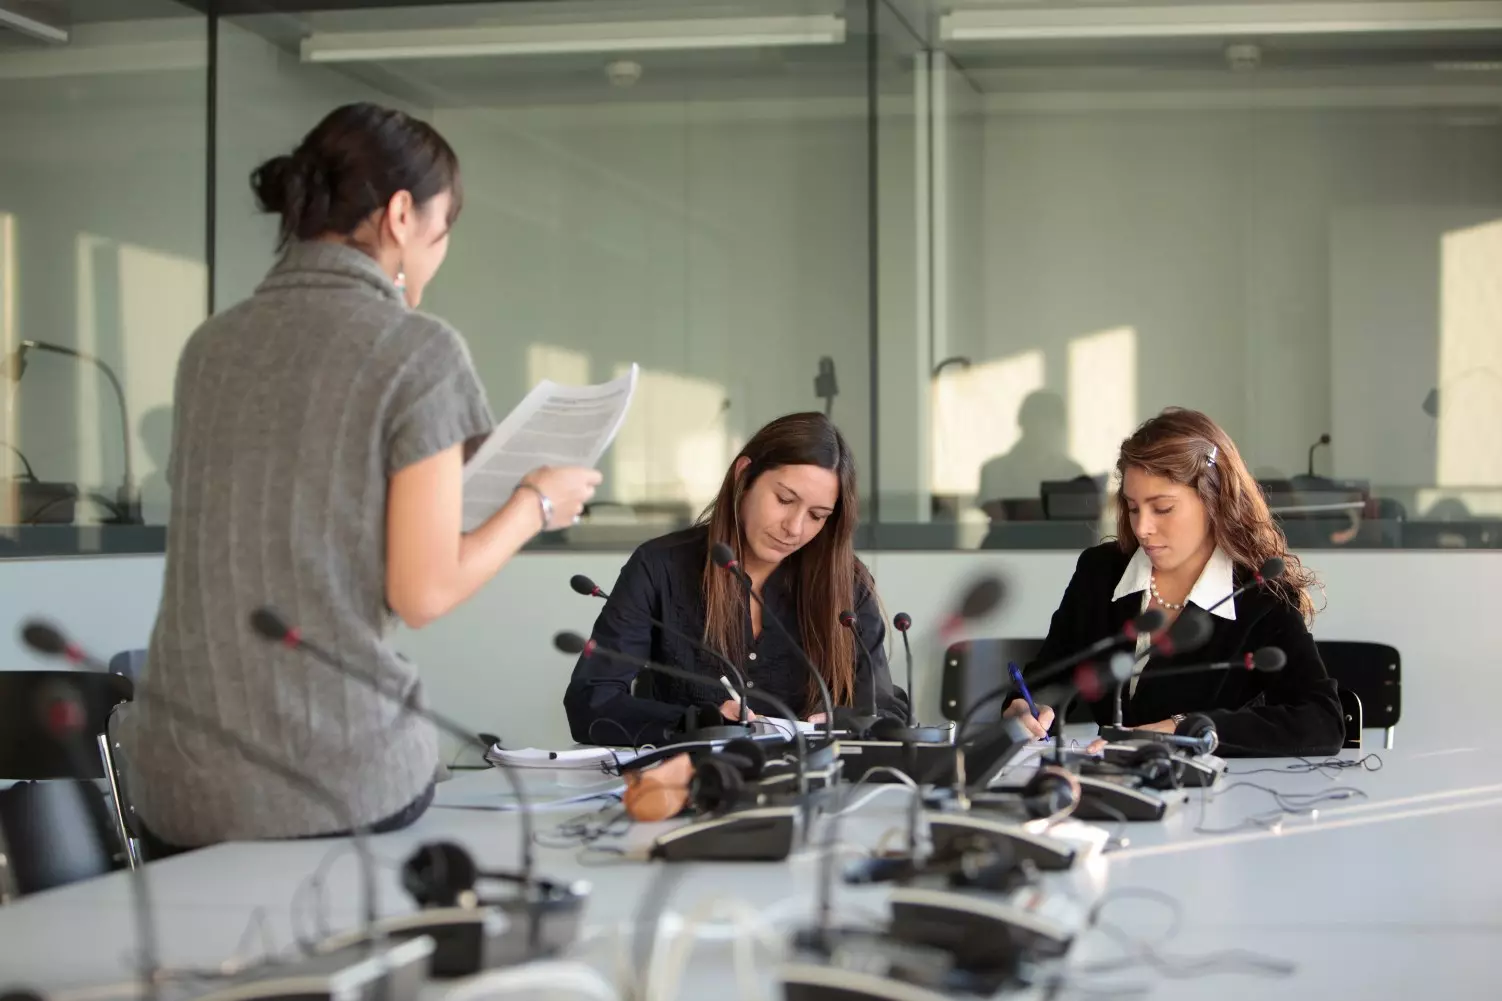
[1387, 739]
[107, 758]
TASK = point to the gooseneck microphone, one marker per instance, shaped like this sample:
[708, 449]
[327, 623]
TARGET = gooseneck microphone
[1270, 570]
[1149, 621]
[269, 624]
[584, 586]
[902, 622]
[588, 588]
[724, 557]
[47, 639]
[1265, 660]
[856, 723]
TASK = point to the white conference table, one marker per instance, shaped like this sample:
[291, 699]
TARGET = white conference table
[1387, 896]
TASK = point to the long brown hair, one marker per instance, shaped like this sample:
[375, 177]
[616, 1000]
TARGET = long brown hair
[1188, 448]
[824, 573]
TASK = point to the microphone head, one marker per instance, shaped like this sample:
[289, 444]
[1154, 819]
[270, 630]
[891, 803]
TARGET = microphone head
[1190, 631]
[267, 622]
[582, 585]
[43, 637]
[722, 555]
[1149, 621]
[1272, 569]
[1120, 665]
[571, 643]
[1269, 658]
[847, 619]
[982, 597]
[902, 621]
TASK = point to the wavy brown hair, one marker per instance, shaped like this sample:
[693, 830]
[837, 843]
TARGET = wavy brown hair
[1188, 448]
[824, 573]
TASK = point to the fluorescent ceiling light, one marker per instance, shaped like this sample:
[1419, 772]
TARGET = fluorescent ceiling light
[1219, 20]
[13, 15]
[544, 39]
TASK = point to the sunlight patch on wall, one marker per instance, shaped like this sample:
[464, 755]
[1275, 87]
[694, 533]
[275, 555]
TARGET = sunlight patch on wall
[1469, 413]
[975, 417]
[674, 446]
[1102, 396]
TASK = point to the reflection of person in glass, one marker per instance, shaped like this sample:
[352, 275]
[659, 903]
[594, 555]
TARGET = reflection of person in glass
[1192, 526]
[788, 508]
[1038, 457]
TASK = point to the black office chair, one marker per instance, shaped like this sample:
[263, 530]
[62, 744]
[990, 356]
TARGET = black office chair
[1350, 709]
[29, 752]
[974, 667]
[1374, 672]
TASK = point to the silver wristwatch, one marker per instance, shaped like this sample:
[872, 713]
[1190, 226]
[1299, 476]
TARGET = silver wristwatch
[1178, 718]
[542, 501]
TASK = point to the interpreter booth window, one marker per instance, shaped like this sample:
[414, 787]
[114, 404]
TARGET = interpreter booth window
[678, 185]
[1299, 233]
[102, 264]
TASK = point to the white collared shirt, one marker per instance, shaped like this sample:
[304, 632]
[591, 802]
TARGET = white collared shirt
[1215, 582]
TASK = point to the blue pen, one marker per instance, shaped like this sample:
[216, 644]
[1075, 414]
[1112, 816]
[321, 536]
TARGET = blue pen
[1016, 673]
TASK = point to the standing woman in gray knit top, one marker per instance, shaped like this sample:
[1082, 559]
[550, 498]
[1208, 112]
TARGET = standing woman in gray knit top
[320, 429]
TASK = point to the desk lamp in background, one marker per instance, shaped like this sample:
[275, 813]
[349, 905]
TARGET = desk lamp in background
[125, 509]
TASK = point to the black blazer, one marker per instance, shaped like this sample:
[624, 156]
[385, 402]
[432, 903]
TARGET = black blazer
[1295, 711]
[663, 579]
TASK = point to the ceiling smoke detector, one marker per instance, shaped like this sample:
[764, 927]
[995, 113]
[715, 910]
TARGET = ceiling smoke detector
[623, 72]
[1243, 57]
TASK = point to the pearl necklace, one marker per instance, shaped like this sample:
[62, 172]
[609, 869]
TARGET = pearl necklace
[1152, 585]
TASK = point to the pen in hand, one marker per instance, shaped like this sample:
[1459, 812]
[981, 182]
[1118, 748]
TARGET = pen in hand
[1016, 673]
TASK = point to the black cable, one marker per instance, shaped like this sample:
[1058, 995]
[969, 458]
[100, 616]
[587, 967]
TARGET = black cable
[1287, 803]
[30, 473]
[1305, 766]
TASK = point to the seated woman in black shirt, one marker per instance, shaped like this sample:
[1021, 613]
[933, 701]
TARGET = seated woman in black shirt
[1193, 526]
[788, 508]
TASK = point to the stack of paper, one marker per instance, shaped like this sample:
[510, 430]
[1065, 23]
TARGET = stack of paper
[553, 426]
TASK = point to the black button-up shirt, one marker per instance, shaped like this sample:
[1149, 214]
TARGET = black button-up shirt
[663, 579]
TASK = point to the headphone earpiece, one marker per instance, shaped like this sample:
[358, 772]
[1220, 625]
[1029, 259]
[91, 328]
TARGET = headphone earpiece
[440, 874]
[719, 782]
[1157, 765]
[744, 749]
[1198, 726]
[1051, 792]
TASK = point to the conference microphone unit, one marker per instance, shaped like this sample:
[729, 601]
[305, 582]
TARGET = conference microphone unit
[753, 830]
[582, 585]
[547, 913]
[874, 726]
[365, 968]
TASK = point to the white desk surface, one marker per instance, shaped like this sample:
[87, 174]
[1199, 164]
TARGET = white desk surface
[1393, 895]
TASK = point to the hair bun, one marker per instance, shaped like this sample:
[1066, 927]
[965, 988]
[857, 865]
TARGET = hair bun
[277, 183]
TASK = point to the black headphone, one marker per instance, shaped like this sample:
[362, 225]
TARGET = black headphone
[1197, 733]
[443, 874]
[894, 728]
[1050, 792]
[1157, 766]
[721, 778]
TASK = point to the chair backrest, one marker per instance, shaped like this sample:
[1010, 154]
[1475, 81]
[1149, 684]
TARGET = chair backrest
[128, 664]
[1350, 709]
[27, 749]
[1373, 671]
[974, 667]
[55, 833]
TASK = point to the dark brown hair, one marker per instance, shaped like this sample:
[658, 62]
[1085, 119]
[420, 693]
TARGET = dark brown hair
[350, 166]
[824, 573]
[1188, 448]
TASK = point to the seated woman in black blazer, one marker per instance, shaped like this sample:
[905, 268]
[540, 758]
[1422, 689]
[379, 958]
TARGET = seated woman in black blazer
[788, 508]
[1192, 526]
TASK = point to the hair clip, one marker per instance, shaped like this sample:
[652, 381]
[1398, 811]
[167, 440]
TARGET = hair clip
[1214, 451]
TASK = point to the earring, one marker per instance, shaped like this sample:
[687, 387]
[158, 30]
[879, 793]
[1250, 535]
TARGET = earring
[401, 280]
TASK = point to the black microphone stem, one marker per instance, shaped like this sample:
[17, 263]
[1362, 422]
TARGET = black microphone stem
[824, 695]
[453, 729]
[912, 709]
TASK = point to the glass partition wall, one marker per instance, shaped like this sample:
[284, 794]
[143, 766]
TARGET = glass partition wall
[987, 238]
